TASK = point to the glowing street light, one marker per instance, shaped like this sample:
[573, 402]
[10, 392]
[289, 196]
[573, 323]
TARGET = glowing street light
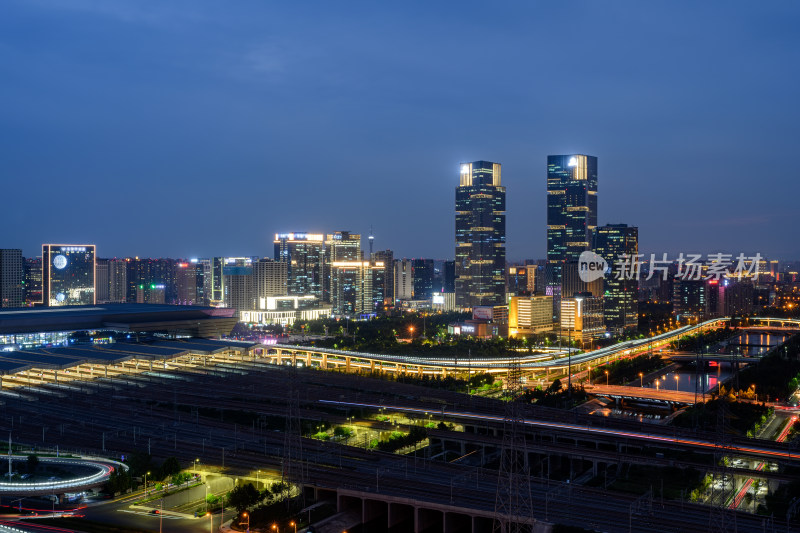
[676, 382]
[248, 520]
[641, 379]
[210, 522]
[657, 384]
[294, 525]
[606, 378]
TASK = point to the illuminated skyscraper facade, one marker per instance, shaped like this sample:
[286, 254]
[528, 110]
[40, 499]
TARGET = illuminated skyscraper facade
[68, 274]
[480, 236]
[621, 296]
[571, 214]
[339, 246]
[304, 258]
[12, 278]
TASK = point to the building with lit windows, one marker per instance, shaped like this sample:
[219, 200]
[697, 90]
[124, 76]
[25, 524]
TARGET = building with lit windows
[352, 289]
[304, 256]
[480, 236]
[422, 272]
[12, 278]
[690, 298]
[530, 314]
[339, 246]
[403, 280]
[582, 318]
[387, 258]
[571, 215]
[33, 281]
[68, 274]
[620, 296]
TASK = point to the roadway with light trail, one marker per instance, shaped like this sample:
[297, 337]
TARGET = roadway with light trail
[638, 435]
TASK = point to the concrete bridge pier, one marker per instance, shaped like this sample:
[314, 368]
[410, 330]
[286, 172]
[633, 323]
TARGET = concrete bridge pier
[400, 513]
[428, 520]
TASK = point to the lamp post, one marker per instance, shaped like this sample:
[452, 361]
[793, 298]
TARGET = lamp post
[589, 375]
[145, 483]
[195, 464]
[245, 515]
[676, 383]
[210, 522]
[294, 525]
[657, 384]
[606, 378]
[641, 379]
[275, 528]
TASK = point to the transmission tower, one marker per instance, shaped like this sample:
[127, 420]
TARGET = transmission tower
[292, 472]
[722, 519]
[513, 508]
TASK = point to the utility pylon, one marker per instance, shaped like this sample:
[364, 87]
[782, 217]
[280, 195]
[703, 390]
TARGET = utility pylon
[513, 508]
[722, 519]
[293, 472]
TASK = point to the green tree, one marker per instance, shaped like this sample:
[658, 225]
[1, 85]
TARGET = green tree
[170, 467]
[33, 463]
[243, 496]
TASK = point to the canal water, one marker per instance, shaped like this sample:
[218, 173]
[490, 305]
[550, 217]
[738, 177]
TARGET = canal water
[685, 378]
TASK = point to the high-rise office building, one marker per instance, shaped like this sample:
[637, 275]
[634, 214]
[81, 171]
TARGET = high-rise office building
[269, 279]
[68, 274]
[12, 278]
[352, 290]
[101, 280]
[238, 287]
[387, 258]
[186, 282]
[117, 280]
[33, 281]
[422, 271]
[689, 298]
[340, 246]
[449, 276]
[403, 280]
[304, 258]
[480, 236]
[571, 214]
[621, 296]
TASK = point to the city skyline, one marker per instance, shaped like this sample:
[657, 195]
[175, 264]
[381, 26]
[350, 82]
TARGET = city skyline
[219, 113]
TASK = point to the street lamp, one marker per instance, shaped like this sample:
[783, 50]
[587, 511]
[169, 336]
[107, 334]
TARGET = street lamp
[606, 378]
[248, 520]
[195, 464]
[257, 473]
[657, 384]
[294, 525]
[275, 528]
[641, 379]
[676, 382]
[145, 483]
[210, 522]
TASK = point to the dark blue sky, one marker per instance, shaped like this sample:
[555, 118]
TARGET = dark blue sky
[196, 128]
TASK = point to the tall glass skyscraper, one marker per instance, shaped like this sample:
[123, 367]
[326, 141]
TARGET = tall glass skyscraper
[571, 214]
[480, 236]
[303, 253]
[621, 297]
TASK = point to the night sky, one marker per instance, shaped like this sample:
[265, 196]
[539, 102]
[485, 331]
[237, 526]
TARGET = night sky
[194, 128]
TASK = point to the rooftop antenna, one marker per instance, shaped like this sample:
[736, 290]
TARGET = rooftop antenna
[371, 239]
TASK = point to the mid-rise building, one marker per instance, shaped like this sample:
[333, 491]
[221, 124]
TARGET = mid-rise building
[530, 314]
[480, 235]
[582, 318]
[68, 274]
[449, 277]
[571, 214]
[621, 293]
[689, 298]
[12, 278]
[305, 262]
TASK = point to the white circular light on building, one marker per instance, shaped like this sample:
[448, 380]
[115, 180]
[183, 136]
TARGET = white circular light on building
[60, 261]
[572, 162]
[464, 169]
[60, 297]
